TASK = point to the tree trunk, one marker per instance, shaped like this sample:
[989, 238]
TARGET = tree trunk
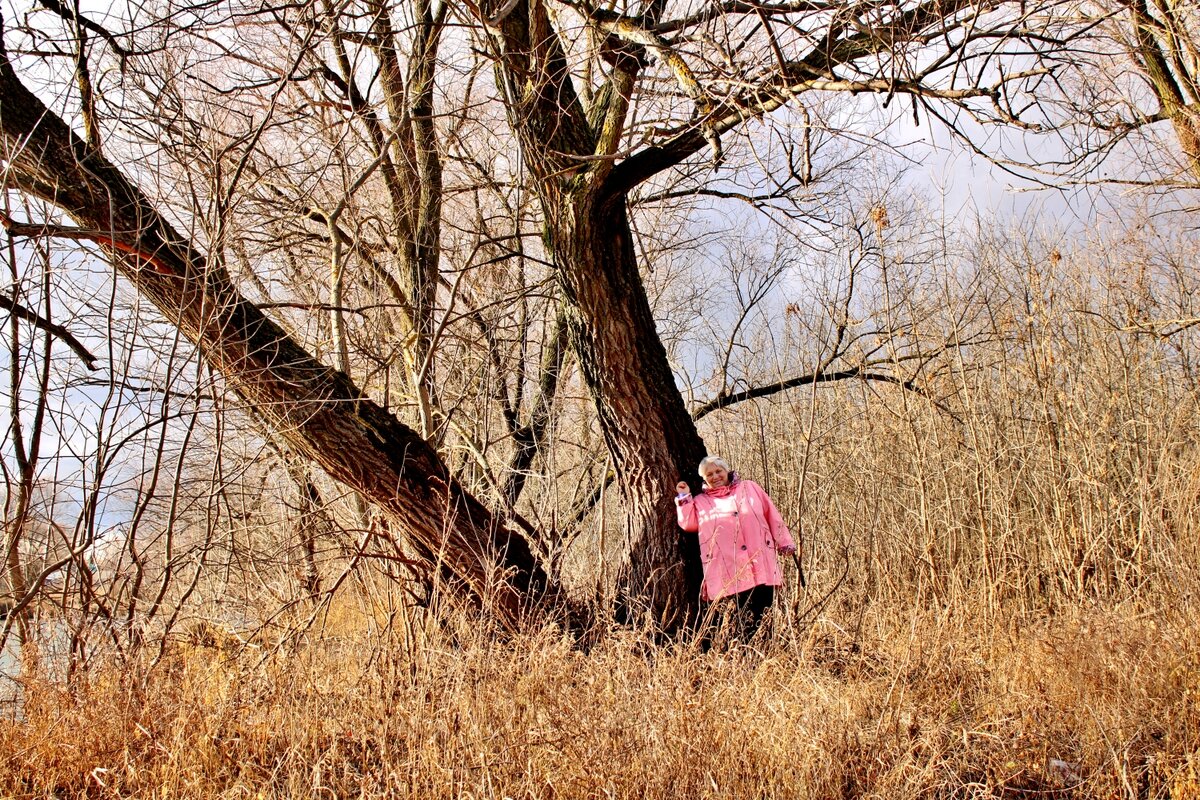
[650, 436]
[1187, 128]
[1156, 65]
[318, 410]
[646, 427]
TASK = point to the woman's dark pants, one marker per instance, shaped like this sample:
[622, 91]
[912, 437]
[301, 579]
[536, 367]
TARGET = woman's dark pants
[741, 614]
[752, 606]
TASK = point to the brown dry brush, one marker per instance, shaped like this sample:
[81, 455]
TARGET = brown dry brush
[1099, 704]
[1059, 466]
[1014, 588]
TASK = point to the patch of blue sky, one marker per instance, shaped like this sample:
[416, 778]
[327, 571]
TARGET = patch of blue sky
[105, 429]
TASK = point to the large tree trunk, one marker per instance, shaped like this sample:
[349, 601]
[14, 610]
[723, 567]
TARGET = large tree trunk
[318, 410]
[646, 427]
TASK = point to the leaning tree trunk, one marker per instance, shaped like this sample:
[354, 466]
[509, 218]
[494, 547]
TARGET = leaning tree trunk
[651, 437]
[648, 432]
[318, 410]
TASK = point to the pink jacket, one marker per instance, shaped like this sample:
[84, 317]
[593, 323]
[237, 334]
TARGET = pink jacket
[738, 538]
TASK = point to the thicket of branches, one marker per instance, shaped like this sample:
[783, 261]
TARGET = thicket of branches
[431, 305]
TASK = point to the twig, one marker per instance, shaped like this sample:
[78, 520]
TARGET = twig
[29, 315]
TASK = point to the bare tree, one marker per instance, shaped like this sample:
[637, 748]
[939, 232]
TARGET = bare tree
[318, 410]
[592, 126]
[601, 102]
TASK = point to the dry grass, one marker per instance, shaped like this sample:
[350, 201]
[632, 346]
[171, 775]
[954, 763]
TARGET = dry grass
[1103, 704]
[1012, 614]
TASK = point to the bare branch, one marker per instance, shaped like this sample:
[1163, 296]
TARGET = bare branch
[860, 373]
[53, 328]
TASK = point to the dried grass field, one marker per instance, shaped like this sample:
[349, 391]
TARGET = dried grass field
[1091, 704]
[352, 353]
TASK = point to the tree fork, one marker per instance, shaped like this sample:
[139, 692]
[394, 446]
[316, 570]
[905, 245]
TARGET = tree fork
[647, 430]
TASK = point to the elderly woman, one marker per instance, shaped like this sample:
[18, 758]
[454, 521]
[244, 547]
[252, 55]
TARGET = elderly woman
[740, 532]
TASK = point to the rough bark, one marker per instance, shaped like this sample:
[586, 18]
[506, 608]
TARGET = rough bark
[645, 424]
[318, 410]
[646, 428]
[1156, 65]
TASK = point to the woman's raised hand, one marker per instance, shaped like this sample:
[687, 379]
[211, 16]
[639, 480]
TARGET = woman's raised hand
[682, 488]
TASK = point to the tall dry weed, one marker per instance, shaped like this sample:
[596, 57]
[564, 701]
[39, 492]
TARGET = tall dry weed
[1103, 704]
[1003, 589]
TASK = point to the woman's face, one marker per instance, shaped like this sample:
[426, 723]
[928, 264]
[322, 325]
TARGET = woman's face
[715, 476]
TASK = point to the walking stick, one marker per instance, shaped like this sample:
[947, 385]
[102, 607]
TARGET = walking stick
[799, 570]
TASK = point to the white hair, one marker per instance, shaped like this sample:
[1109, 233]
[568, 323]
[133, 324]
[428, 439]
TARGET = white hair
[708, 460]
